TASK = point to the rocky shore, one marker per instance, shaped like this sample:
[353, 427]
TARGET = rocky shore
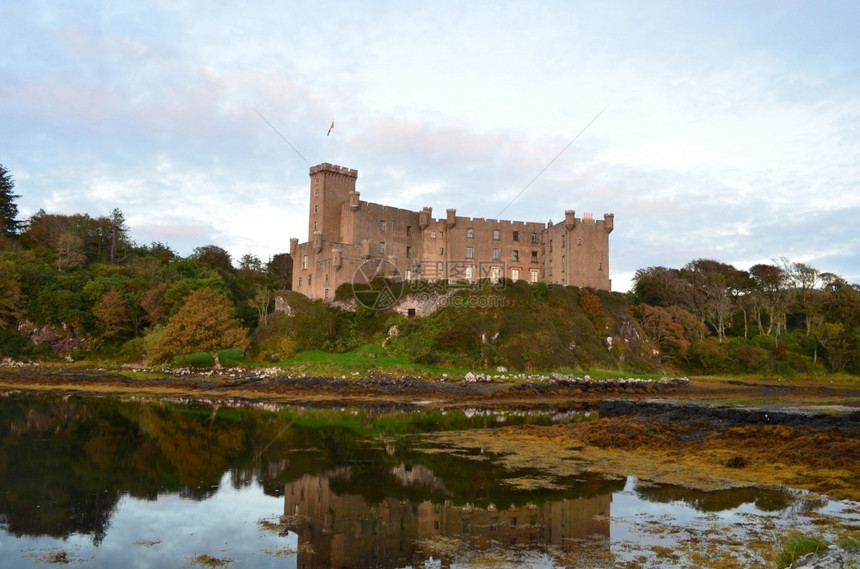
[664, 411]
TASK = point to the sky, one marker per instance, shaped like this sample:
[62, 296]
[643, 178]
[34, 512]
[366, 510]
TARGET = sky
[726, 130]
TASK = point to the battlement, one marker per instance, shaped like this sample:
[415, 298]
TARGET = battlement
[326, 167]
[345, 232]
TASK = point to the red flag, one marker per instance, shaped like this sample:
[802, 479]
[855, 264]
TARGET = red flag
[329, 128]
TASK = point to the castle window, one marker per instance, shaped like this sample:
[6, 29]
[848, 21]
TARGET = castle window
[534, 257]
[599, 266]
[316, 226]
[495, 273]
[440, 265]
[381, 247]
[579, 240]
[535, 275]
[470, 273]
[441, 250]
[515, 255]
[534, 238]
[408, 230]
[495, 254]
[516, 236]
[316, 208]
[432, 235]
[309, 280]
[316, 191]
[382, 225]
[409, 277]
[550, 245]
[326, 293]
[304, 262]
[469, 252]
[470, 233]
[408, 252]
[300, 282]
[515, 275]
[496, 234]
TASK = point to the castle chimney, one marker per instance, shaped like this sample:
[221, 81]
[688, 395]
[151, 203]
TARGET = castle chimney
[294, 247]
[337, 258]
[569, 219]
[318, 241]
[353, 200]
[451, 221]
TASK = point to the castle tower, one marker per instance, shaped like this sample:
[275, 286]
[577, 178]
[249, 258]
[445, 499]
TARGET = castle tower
[330, 187]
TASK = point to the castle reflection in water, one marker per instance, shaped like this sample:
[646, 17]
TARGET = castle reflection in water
[344, 530]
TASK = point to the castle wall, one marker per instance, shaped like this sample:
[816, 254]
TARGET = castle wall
[345, 232]
[577, 252]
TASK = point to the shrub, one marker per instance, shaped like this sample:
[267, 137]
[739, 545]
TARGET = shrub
[751, 358]
[709, 355]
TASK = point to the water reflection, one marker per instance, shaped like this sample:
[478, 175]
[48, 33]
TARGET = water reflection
[358, 489]
[344, 530]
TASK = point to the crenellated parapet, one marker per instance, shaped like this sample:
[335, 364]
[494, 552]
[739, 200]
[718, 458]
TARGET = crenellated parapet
[345, 232]
[335, 169]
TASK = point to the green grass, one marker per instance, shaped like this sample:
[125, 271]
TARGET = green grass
[373, 357]
[796, 546]
[228, 357]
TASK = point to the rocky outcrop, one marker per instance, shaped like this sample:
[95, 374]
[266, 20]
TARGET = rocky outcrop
[61, 341]
[834, 557]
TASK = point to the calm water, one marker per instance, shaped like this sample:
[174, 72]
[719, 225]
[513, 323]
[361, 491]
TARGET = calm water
[100, 482]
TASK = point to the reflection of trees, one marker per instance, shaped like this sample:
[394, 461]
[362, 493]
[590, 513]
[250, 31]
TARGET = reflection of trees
[66, 463]
[717, 500]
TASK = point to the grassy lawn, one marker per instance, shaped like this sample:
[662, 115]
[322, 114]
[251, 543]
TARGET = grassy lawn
[372, 357]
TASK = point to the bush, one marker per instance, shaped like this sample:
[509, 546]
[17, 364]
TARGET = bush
[764, 341]
[709, 355]
[751, 358]
[134, 350]
[12, 344]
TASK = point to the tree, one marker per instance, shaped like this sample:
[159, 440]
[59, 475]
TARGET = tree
[261, 302]
[203, 324]
[658, 286]
[118, 242]
[111, 315]
[214, 257]
[70, 251]
[805, 280]
[9, 224]
[11, 296]
[715, 284]
[280, 270]
[773, 295]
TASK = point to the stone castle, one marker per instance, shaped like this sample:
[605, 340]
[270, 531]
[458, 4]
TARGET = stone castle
[353, 241]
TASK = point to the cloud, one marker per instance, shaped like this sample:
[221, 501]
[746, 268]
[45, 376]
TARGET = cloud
[728, 132]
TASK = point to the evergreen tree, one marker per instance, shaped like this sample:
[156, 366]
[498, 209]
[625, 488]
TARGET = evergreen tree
[9, 224]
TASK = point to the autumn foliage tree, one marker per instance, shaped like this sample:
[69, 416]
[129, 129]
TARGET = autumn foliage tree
[205, 323]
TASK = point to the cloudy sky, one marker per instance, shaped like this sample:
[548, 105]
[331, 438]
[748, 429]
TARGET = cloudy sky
[722, 129]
